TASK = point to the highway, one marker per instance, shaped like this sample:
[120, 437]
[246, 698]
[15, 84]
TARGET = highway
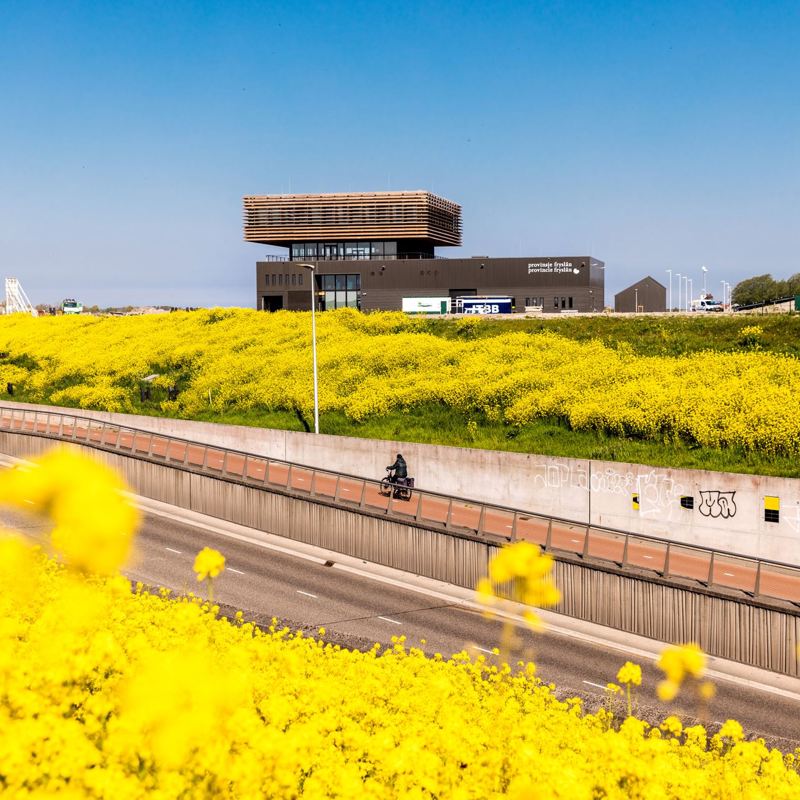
[359, 604]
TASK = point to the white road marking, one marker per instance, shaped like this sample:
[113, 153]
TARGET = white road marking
[598, 685]
[729, 574]
[307, 594]
[393, 621]
[647, 556]
[173, 550]
[482, 649]
[237, 571]
[577, 541]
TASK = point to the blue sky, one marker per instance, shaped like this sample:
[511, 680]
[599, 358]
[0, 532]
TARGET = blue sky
[650, 134]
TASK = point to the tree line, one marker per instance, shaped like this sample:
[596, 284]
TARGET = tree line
[762, 288]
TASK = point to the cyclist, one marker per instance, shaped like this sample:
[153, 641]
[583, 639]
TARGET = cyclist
[399, 469]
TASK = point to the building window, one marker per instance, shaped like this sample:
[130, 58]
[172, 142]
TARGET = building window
[280, 280]
[570, 302]
[287, 278]
[555, 302]
[294, 283]
[273, 278]
[300, 279]
[339, 291]
[563, 302]
[298, 252]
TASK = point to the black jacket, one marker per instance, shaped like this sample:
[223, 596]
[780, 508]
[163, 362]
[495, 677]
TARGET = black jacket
[400, 468]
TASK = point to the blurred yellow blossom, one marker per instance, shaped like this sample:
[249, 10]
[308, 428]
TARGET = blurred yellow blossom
[208, 563]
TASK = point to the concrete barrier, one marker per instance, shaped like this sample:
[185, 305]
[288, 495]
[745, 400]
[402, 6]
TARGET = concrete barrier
[760, 633]
[753, 515]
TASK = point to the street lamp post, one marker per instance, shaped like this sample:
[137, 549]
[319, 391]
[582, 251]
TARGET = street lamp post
[678, 276]
[669, 307]
[313, 269]
[704, 269]
[689, 298]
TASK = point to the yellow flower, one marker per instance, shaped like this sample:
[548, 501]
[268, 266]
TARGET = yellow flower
[732, 730]
[208, 563]
[94, 522]
[630, 673]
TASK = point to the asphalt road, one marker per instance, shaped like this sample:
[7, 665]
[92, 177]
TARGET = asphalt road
[313, 589]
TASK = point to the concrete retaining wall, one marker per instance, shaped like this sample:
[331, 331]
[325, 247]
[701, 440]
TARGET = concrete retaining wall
[750, 632]
[718, 510]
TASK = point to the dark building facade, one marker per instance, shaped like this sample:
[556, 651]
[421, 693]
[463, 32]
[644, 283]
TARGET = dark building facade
[374, 250]
[644, 295]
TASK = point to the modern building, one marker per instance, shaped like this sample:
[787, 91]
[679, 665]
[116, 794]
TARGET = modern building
[372, 250]
[644, 295]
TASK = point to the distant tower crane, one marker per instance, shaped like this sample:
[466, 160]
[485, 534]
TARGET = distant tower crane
[16, 299]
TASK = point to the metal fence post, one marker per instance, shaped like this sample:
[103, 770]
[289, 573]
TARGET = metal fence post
[514, 527]
[585, 551]
[625, 551]
[757, 587]
[549, 538]
[480, 520]
[666, 560]
[711, 570]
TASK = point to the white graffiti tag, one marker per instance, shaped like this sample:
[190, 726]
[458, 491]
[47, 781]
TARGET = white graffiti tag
[717, 504]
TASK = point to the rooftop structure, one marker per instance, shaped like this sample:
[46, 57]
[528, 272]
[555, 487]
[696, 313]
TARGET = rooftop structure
[357, 226]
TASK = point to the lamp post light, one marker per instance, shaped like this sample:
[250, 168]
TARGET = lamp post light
[678, 276]
[313, 269]
[705, 270]
[669, 307]
[689, 298]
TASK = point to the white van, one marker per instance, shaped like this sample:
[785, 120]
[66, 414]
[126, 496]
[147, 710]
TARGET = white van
[707, 305]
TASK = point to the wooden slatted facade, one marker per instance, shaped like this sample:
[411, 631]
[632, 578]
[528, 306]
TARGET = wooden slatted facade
[281, 219]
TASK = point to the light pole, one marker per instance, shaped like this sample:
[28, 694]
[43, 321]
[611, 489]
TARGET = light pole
[705, 269]
[678, 276]
[636, 301]
[669, 307]
[314, 342]
[689, 298]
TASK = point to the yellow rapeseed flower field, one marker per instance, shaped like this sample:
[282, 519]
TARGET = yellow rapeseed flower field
[111, 693]
[239, 360]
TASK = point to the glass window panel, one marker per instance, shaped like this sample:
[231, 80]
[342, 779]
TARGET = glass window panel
[280, 280]
[328, 282]
[390, 249]
[358, 283]
[330, 300]
[350, 250]
[376, 249]
[297, 251]
[352, 300]
[300, 279]
[341, 299]
[273, 279]
[362, 250]
[341, 281]
[311, 250]
[294, 280]
[351, 282]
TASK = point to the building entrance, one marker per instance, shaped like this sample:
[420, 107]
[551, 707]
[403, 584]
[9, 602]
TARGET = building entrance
[272, 302]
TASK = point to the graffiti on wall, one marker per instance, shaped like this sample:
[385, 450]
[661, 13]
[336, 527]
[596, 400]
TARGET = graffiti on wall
[717, 505]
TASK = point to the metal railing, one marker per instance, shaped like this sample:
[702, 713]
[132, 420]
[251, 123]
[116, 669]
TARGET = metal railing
[495, 524]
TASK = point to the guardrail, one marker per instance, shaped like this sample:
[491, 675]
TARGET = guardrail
[756, 578]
